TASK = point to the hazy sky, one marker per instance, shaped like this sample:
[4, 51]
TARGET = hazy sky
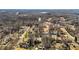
[39, 4]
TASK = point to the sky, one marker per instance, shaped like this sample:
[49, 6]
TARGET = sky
[39, 4]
